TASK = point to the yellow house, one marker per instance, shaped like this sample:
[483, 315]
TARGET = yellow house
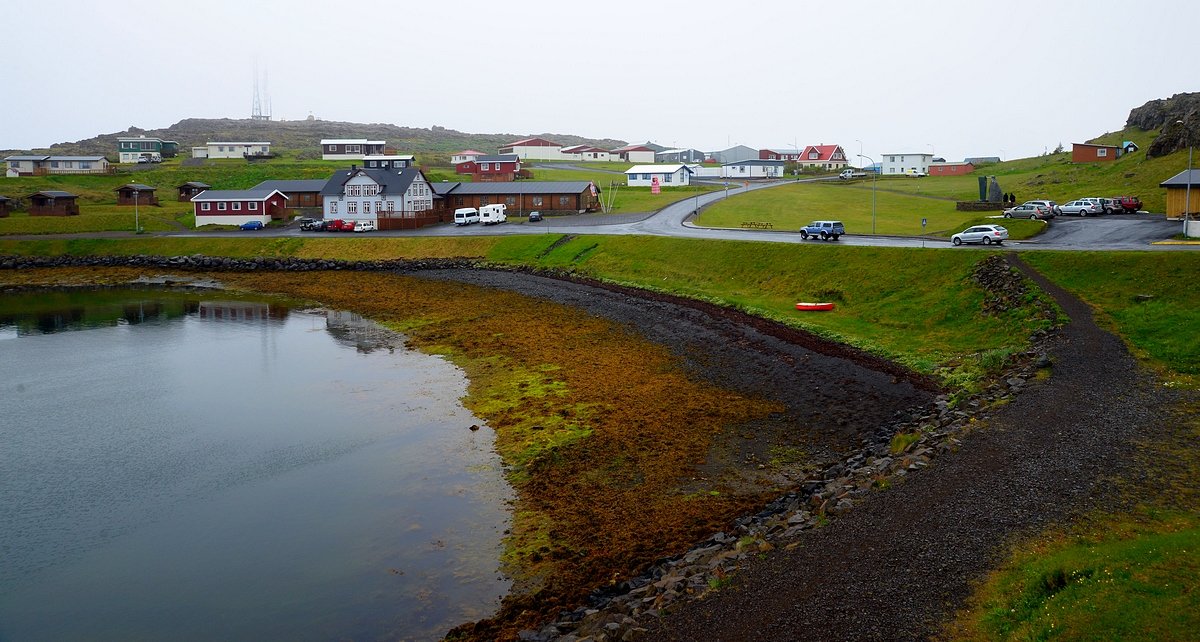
[1178, 194]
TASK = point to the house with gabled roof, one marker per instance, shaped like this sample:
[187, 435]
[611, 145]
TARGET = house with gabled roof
[190, 189]
[39, 165]
[53, 203]
[238, 206]
[136, 194]
[497, 168]
[299, 193]
[828, 157]
[464, 156]
[781, 153]
[350, 148]
[586, 153]
[753, 168]
[535, 148]
[562, 197]
[379, 196]
[676, 175]
[635, 153]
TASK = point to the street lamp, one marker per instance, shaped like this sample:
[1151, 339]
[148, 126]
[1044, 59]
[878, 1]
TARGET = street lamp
[1187, 197]
[874, 179]
[137, 229]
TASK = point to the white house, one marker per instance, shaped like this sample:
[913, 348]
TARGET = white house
[362, 194]
[905, 163]
[662, 175]
[222, 149]
[753, 168]
[465, 155]
[633, 154]
[350, 148]
[585, 153]
[535, 148]
[27, 165]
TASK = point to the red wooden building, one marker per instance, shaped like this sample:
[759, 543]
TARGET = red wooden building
[53, 203]
[1089, 153]
[950, 169]
[562, 197]
[491, 169]
[234, 207]
[144, 195]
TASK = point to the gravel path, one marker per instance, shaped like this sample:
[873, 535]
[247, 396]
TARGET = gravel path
[897, 565]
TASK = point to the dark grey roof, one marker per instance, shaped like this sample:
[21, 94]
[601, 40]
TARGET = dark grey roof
[394, 183]
[137, 186]
[196, 184]
[514, 188]
[1182, 179]
[25, 157]
[76, 158]
[54, 193]
[975, 160]
[288, 186]
[4, 198]
[497, 158]
[756, 161]
[235, 195]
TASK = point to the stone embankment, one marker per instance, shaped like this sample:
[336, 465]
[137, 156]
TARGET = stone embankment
[226, 264]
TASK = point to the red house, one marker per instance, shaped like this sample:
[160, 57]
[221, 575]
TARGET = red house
[234, 207]
[491, 169]
[950, 169]
[1088, 153]
[53, 203]
[823, 156]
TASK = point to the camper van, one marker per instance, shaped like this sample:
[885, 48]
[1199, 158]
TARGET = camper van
[489, 214]
[466, 216]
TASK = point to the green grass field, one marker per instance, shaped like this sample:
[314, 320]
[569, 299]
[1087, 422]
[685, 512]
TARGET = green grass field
[628, 199]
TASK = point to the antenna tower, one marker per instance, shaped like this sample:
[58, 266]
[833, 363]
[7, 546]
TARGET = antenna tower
[256, 111]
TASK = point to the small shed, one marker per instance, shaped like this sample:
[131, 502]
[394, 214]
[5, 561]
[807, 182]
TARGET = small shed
[1089, 153]
[1179, 194]
[136, 194]
[53, 203]
[5, 202]
[191, 188]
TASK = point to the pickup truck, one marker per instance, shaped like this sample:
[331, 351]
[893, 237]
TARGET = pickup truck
[825, 230]
[848, 174]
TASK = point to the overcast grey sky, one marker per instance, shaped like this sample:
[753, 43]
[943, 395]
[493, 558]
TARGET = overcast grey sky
[956, 77]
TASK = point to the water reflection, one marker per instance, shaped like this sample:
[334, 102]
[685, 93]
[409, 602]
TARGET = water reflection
[152, 486]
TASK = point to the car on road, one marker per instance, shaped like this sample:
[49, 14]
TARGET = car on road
[363, 226]
[1081, 207]
[826, 230]
[339, 225]
[309, 224]
[1029, 210]
[252, 225]
[986, 234]
[1131, 204]
[535, 217]
[1054, 211]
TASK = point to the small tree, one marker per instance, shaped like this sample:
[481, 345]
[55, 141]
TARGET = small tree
[791, 167]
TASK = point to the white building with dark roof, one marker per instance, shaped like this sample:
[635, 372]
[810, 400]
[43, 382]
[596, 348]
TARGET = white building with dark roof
[362, 194]
[661, 175]
[350, 148]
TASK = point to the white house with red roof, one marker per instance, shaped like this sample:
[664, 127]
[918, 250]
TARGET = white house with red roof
[633, 154]
[824, 157]
[535, 148]
[465, 155]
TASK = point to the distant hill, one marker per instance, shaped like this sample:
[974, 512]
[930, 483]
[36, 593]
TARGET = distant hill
[300, 136]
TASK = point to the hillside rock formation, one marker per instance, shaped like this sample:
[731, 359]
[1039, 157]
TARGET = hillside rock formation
[1163, 114]
[306, 135]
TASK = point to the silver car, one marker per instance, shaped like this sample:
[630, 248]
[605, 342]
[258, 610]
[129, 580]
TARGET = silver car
[986, 234]
[1029, 210]
[1082, 207]
[1048, 204]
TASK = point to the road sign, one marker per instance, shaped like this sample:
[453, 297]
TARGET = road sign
[924, 221]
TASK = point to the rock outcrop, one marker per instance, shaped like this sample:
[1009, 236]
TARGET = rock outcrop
[1164, 114]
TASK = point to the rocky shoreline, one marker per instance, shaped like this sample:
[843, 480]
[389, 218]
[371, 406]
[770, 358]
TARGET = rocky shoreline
[226, 264]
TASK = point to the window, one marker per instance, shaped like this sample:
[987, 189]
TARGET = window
[891, 159]
[564, 201]
[646, 177]
[667, 178]
[237, 207]
[742, 169]
[391, 206]
[14, 164]
[352, 207]
[53, 163]
[366, 207]
[510, 201]
[253, 207]
[331, 148]
[378, 206]
[204, 207]
[813, 156]
[333, 207]
[1101, 153]
[85, 164]
[220, 148]
[483, 167]
[353, 149]
[221, 206]
[537, 201]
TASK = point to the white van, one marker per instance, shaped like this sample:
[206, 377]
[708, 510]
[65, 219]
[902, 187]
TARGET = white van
[489, 214]
[466, 216]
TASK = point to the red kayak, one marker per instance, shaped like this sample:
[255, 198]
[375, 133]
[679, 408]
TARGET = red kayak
[814, 307]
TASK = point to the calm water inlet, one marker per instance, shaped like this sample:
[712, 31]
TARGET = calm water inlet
[192, 466]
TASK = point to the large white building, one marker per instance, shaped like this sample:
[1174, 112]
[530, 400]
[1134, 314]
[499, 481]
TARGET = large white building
[533, 148]
[221, 149]
[362, 194]
[905, 163]
[753, 168]
[661, 175]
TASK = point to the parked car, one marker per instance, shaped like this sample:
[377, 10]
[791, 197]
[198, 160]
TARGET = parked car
[252, 225]
[1109, 206]
[1054, 211]
[339, 225]
[363, 226]
[1131, 204]
[310, 224]
[915, 173]
[825, 229]
[1029, 210]
[535, 217]
[1082, 207]
[986, 234]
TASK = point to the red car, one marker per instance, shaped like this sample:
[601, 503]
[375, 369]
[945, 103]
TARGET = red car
[1131, 204]
[339, 225]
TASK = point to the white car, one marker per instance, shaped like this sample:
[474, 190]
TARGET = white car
[364, 226]
[986, 234]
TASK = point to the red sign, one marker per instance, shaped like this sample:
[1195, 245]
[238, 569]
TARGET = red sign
[654, 187]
